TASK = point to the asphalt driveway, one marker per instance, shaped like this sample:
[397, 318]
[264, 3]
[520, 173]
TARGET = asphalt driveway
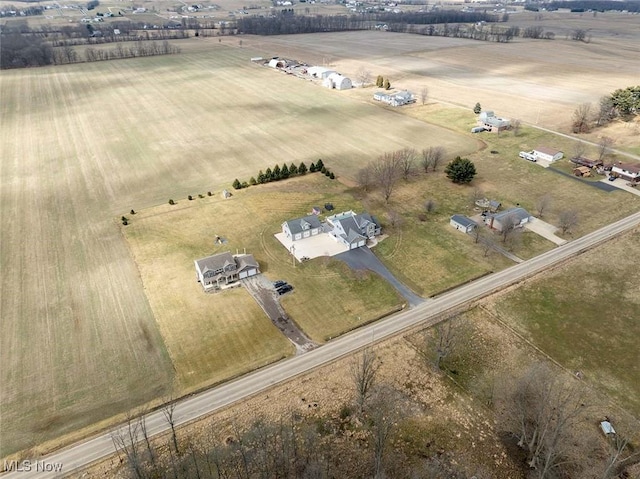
[363, 258]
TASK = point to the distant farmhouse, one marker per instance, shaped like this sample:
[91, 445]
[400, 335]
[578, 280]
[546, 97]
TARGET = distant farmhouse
[517, 217]
[627, 171]
[353, 230]
[489, 121]
[223, 269]
[301, 228]
[397, 99]
[330, 78]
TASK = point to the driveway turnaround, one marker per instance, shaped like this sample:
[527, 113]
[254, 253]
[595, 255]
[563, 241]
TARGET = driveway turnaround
[545, 230]
[363, 258]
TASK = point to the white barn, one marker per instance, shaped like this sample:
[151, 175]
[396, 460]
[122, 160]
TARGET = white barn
[337, 81]
[319, 72]
[277, 63]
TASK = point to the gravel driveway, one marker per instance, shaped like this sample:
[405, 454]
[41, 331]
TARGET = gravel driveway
[263, 291]
[363, 258]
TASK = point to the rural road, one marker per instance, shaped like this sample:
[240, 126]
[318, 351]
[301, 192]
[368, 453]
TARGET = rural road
[428, 313]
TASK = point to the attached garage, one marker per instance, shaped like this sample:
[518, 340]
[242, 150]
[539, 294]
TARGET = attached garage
[247, 273]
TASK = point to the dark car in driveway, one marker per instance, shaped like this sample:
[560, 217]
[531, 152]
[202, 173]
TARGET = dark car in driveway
[284, 289]
[279, 283]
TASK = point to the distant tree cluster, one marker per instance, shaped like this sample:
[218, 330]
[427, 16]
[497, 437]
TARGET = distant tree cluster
[623, 103]
[282, 173]
[291, 23]
[595, 5]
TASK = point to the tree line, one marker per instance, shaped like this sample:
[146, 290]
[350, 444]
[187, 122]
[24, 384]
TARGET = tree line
[289, 23]
[20, 51]
[282, 173]
[595, 5]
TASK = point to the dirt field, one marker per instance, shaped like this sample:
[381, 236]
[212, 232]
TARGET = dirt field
[540, 82]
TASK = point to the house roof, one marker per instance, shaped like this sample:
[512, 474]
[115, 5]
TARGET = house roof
[630, 167]
[215, 262]
[245, 261]
[353, 237]
[463, 220]
[519, 213]
[302, 224]
[581, 160]
[547, 151]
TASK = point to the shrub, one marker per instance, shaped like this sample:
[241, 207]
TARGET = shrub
[236, 185]
[125, 222]
[253, 181]
[312, 168]
[332, 176]
[209, 193]
[190, 197]
[171, 202]
[302, 169]
[124, 218]
[293, 169]
[323, 170]
[244, 185]
[200, 196]
[133, 212]
[319, 165]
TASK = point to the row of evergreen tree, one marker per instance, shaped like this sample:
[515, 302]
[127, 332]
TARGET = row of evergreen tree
[282, 173]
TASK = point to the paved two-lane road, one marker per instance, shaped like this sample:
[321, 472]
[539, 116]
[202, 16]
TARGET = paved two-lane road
[427, 313]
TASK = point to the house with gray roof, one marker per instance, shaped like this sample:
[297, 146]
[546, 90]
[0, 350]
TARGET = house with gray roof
[302, 227]
[462, 223]
[353, 230]
[220, 270]
[491, 122]
[513, 217]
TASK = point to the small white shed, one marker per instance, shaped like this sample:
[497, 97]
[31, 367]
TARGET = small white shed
[319, 72]
[547, 154]
[462, 223]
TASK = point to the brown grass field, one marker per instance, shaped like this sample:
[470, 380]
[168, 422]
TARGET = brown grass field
[83, 144]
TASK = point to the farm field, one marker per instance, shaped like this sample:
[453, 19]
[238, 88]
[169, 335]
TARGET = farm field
[213, 337]
[539, 81]
[81, 146]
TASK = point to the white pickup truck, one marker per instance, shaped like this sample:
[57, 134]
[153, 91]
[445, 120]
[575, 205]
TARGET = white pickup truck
[528, 155]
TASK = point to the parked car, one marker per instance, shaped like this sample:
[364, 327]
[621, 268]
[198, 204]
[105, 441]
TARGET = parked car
[284, 289]
[612, 178]
[279, 283]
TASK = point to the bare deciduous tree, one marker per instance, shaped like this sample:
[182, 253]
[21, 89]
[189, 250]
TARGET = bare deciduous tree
[509, 224]
[407, 159]
[432, 157]
[542, 411]
[363, 76]
[168, 410]
[365, 178]
[516, 124]
[449, 335]
[364, 370]
[582, 118]
[386, 171]
[394, 218]
[604, 147]
[579, 148]
[567, 219]
[424, 94]
[543, 204]
[126, 441]
[621, 456]
[383, 420]
[430, 206]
